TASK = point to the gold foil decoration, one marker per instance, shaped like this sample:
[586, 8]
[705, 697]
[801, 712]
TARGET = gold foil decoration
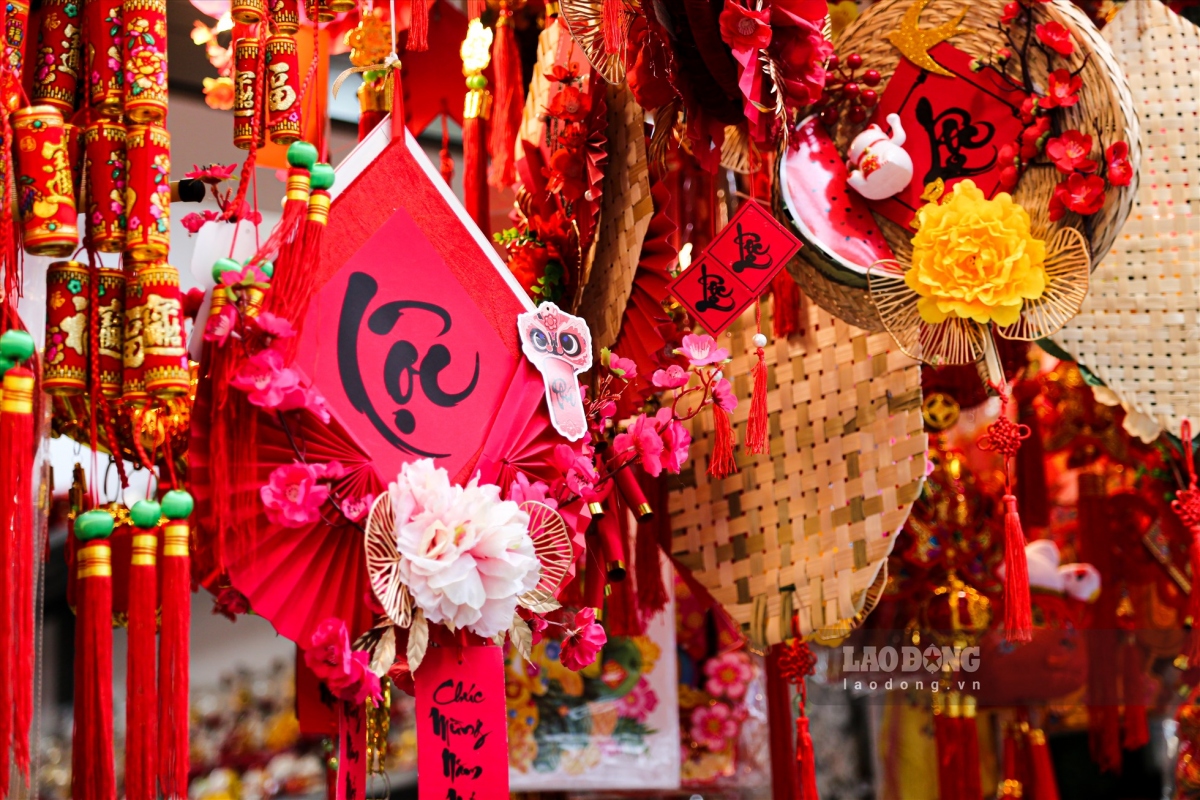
[914, 42]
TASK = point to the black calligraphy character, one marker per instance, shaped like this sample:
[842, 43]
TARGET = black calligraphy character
[952, 133]
[716, 296]
[403, 367]
[750, 249]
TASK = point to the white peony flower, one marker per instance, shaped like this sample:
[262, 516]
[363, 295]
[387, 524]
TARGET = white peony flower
[465, 554]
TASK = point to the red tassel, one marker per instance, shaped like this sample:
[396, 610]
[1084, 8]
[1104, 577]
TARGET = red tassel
[786, 313]
[757, 426]
[16, 526]
[785, 781]
[1031, 460]
[1042, 786]
[647, 564]
[1018, 614]
[173, 678]
[418, 32]
[972, 782]
[92, 775]
[510, 100]
[447, 163]
[475, 8]
[721, 463]
[1137, 731]
[1192, 650]
[805, 760]
[614, 26]
[141, 708]
[475, 187]
[945, 736]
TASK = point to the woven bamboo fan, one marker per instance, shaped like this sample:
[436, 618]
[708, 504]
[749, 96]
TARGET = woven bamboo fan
[625, 213]
[795, 543]
[1137, 329]
[830, 268]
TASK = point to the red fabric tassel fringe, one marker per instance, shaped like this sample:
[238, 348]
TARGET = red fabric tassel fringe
[173, 678]
[806, 762]
[92, 775]
[972, 782]
[786, 313]
[16, 526]
[1042, 785]
[614, 26]
[509, 100]
[757, 426]
[475, 186]
[418, 32]
[1137, 731]
[721, 463]
[1018, 613]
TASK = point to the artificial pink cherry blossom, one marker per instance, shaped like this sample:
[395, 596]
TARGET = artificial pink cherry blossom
[672, 377]
[676, 441]
[701, 350]
[642, 441]
[583, 641]
[265, 380]
[293, 497]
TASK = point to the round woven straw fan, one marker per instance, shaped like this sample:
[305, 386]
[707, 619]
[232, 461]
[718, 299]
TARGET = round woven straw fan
[843, 236]
[796, 542]
[1137, 329]
[551, 545]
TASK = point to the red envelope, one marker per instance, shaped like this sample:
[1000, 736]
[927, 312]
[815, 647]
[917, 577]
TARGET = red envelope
[955, 126]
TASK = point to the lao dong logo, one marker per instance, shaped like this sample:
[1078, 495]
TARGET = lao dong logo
[908, 667]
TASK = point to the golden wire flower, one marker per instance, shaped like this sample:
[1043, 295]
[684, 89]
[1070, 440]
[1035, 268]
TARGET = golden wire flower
[975, 258]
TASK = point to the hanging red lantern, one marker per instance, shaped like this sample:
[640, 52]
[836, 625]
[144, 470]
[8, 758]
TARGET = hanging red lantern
[64, 366]
[248, 12]
[145, 60]
[103, 24]
[148, 192]
[56, 76]
[44, 184]
[104, 142]
[283, 89]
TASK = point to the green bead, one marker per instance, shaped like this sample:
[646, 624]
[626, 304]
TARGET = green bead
[476, 82]
[302, 154]
[267, 268]
[5, 365]
[177, 504]
[16, 345]
[224, 265]
[322, 176]
[145, 513]
[94, 524]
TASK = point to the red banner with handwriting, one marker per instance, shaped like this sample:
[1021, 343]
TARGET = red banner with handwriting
[462, 735]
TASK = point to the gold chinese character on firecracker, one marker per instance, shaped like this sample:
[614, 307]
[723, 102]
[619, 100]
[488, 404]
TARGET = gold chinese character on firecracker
[111, 335]
[282, 96]
[162, 329]
[134, 355]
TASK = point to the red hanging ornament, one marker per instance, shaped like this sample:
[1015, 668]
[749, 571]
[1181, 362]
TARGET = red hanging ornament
[757, 426]
[1187, 505]
[141, 708]
[173, 679]
[92, 775]
[1004, 438]
[509, 99]
[797, 662]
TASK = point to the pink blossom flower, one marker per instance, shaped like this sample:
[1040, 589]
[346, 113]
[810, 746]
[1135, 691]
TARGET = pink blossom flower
[219, 326]
[701, 350]
[328, 653]
[537, 626]
[308, 398]
[1120, 171]
[579, 472]
[643, 442]
[676, 441]
[273, 326]
[723, 395]
[624, 368]
[1055, 35]
[356, 508]
[192, 222]
[672, 377]
[522, 490]
[639, 703]
[358, 682]
[728, 675]
[213, 173]
[265, 380]
[713, 726]
[292, 496]
[583, 641]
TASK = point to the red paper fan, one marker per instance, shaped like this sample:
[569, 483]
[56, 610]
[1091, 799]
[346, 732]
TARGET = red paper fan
[412, 341]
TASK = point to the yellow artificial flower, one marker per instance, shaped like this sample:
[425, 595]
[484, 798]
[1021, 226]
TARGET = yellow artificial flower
[841, 15]
[649, 650]
[975, 258]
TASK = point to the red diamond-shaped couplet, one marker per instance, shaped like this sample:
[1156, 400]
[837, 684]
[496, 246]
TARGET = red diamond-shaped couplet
[412, 338]
[711, 294]
[754, 246]
[954, 126]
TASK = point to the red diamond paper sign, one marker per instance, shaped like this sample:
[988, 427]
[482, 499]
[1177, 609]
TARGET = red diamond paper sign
[735, 269]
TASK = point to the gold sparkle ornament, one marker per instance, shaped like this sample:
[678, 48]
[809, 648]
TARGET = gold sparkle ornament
[914, 42]
[476, 50]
